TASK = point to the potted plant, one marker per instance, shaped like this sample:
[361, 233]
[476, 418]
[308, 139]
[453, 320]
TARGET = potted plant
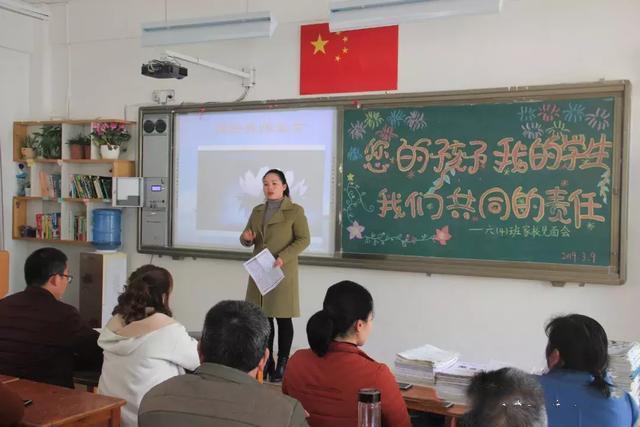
[29, 145]
[50, 141]
[78, 147]
[110, 137]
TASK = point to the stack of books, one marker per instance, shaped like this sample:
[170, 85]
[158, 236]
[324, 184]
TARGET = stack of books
[48, 225]
[90, 187]
[624, 366]
[50, 185]
[452, 382]
[418, 365]
[79, 227]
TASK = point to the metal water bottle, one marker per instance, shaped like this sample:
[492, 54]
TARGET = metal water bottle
[369, 408]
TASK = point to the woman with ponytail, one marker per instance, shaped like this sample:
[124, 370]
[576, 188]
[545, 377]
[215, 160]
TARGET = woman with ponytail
[326, 378]
[143, 346]
[578, 391]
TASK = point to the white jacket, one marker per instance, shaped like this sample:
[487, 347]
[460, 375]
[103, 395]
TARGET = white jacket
[140, 355]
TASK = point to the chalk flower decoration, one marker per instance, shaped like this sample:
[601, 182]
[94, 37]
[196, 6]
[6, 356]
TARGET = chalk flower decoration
[442, 235]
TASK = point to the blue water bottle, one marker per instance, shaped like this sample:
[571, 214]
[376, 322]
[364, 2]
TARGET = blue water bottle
[106, 229]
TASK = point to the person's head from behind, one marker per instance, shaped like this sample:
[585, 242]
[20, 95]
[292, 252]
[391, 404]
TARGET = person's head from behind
[235, 334]
[507, 397]
[147, 292]
[346, 315]
[47, 268]
[579, 343]
[274, 185]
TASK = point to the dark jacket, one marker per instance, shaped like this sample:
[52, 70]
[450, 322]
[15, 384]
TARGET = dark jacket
[218, 396]
[45, 340]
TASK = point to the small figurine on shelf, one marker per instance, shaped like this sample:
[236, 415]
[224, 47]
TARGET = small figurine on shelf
[27, 231]
[110, 137]
[80, 147]
[22, 178]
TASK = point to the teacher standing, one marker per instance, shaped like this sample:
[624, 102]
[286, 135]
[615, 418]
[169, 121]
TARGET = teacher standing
[280, 226]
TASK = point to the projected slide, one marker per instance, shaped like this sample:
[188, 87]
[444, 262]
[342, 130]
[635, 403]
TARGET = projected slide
[221, 158]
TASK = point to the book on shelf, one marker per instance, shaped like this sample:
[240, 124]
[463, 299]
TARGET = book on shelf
[48, 225]
[78, 223]
[50, 185]
[90, 187]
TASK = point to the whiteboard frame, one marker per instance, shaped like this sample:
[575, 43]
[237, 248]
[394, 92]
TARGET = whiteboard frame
[615, 274]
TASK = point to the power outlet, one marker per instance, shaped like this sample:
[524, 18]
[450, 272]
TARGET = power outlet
[163, 96]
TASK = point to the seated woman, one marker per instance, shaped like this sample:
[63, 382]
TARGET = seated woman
[577, 390]
[143, 346]
[326, 378]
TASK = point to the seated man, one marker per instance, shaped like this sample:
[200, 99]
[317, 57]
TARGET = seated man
[42, 338]
[223, 391]
[507, 397]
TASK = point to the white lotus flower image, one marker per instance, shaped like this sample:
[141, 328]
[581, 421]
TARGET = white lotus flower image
[251, 186]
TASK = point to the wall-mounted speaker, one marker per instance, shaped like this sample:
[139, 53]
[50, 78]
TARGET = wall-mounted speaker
[155, 127]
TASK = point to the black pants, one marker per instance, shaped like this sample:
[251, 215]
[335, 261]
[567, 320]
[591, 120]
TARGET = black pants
[285, 335]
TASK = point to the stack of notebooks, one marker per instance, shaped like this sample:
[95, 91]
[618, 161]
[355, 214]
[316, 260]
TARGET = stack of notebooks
[624, 366]
[418, 365]
[452, 382]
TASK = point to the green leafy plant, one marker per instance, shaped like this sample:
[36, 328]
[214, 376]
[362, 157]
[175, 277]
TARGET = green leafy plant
[30, 141]
[80, 139]
[50, 141]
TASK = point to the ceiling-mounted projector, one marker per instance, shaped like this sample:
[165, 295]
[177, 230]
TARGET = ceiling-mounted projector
[160, 69]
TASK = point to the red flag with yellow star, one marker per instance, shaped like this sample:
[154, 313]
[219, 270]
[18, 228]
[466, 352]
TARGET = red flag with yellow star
[348, 61]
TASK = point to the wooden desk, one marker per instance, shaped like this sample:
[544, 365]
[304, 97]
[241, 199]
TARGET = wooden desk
[5, 379]
[89, 379]
[425, 399]
[419, 398]
[59, 406]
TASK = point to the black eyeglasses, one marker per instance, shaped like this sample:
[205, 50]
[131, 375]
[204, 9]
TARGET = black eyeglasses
[68, 276]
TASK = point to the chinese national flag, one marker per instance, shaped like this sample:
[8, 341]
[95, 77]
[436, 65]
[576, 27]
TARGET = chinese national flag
[348, 61]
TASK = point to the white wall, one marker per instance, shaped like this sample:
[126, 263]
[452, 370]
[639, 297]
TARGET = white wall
[22, 79]
[532, 42]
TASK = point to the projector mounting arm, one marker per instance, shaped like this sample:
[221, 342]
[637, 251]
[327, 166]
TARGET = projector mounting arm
[248, 78]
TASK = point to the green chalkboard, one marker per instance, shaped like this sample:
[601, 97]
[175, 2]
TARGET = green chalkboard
[531, 181]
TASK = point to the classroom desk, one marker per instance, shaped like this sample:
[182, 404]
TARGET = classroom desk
[89, 379]
[425, 399]
[5, 379]
[419, 398]
[60, 406]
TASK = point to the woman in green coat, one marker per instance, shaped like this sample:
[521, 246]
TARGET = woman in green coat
[280, 226]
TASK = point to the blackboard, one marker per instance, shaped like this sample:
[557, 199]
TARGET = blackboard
[390, 207]
[522, 185]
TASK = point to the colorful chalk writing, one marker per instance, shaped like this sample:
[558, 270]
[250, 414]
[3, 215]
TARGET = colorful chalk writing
[518, 181]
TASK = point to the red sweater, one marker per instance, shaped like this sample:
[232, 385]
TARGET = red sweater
[328, 386]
